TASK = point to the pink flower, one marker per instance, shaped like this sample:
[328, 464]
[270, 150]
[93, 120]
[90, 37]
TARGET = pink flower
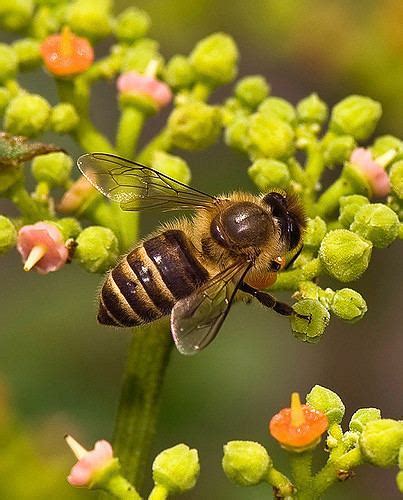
[42, 246]
[89, 461]
[145, 85]
[372, 171]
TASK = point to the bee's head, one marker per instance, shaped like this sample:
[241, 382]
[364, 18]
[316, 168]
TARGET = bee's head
[288, 213]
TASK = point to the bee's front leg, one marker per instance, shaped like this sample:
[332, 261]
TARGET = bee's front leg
[269, 301]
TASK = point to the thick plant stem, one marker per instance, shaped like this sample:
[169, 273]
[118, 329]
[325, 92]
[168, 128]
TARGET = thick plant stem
[301, 469]
[140, 397]
[129, 128]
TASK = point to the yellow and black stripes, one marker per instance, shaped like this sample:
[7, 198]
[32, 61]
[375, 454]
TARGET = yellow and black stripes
[145, 285]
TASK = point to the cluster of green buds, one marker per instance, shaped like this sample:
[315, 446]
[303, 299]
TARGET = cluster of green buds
[299, 429]
[175, 471]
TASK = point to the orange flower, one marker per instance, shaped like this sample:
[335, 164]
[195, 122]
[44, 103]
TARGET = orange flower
[300, 427]
[66, 54]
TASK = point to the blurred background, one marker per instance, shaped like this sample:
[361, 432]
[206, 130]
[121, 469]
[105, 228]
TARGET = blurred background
[61, 372]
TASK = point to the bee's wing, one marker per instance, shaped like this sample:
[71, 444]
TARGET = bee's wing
[137, 187]
[197, 319]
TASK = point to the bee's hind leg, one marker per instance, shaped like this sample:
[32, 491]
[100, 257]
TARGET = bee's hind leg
[269, 301]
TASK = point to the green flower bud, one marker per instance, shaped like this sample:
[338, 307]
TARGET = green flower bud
[278, 108]
[252, 90]
[400, 459]
[344, 254]
[337, 148]
[312, 109]
[381, 440]
[15, 14]
[267, 173]
[215, 59]
[399, 481]
[350, 440]
[131, 24]
[5, 97]
[305, 329]
[27, 114]
[52, 168]
[355, 115]
[9, 175]
[176, 469]
[64, 118]
[97, 249]
[377, 223]
[236, 134]
[89, 19]
[69, 227]
[315, 232]
[8, 234]
[194, 125]
[28, 53]
[179, 73]
[172, 166]
[271, 137]
[233, 108]
[349, 206]
[396, 178]
[362, 416]
[139, 54]
[328, 402]
[8, 62]
[385, 143]
[348, 304]
[44, 23]
[246, 462]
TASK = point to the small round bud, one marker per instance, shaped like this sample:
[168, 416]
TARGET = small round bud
[315, 232]
[27, 114]
[89, 19]
[278, 108]
[396, 178]
[337, 148]
[131, 24]
[328, 402]
[97, 249]
[5, 97]
[246, 463]
[172, 166]
[9, 175]
[44, 23]
[194, 125]
[139, 55]
[177, 469]
[215, 59]
[309, 329]
[270, 137]
[8, 234]
[385, 143]
[28, 53]
[179, 73]
[355, 115]
[399, 481]
[69, 227]
[64, 118]
[15, 14]
[344, 254]
[376, 223]
[380, 442]
[362, 416]
[348, 304]
[52, 168]
[8, 62]
[236, 134]
[268, 173]
[349, 206]
[312, 109]
[252, 90]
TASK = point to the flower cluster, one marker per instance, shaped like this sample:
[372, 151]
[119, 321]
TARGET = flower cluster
[299, 429]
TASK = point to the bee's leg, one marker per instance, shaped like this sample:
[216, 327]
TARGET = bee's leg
[269, 301]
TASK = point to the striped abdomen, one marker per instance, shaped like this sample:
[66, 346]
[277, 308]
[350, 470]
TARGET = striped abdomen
[146, 284]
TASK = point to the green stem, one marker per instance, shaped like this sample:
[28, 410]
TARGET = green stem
[120, 487]
[158, 493]
[315, 164]
[289, 280]
[329, 200]
[161, 142]
[31, 210]
[282, 485]
[139, 403]
[129, 128]
[301, 470]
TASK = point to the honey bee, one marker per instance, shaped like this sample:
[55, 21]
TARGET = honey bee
[193, 268]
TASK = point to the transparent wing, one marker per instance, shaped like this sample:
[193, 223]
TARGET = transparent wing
[197, 319]
[137, 187]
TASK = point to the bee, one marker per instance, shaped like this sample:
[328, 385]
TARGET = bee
[193, 268]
